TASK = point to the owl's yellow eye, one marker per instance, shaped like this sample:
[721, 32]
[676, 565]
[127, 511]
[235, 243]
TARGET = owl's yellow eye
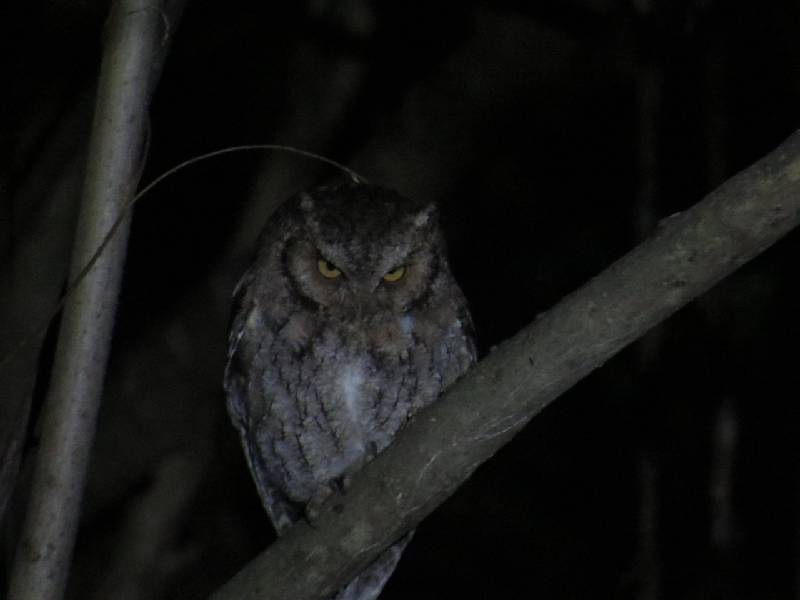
[395, 274]
[328, 269]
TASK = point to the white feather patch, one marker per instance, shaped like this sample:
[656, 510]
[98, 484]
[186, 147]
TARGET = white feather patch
[407, 323]
[350, 382]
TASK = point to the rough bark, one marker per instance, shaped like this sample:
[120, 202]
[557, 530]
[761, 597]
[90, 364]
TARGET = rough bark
[440, 449]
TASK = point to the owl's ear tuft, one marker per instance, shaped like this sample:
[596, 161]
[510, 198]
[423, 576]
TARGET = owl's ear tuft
[425, 216]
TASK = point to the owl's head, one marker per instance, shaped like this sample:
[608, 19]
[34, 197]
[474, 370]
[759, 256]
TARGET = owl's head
[361, 246]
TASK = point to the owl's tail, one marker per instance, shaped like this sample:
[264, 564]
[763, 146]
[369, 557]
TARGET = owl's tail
[370, 582]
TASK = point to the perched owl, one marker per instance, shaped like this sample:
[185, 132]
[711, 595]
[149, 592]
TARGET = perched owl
[346, 324]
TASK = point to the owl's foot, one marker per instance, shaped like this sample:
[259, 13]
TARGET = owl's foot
[335, 487]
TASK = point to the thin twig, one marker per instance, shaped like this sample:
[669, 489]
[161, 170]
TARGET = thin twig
[687, 254]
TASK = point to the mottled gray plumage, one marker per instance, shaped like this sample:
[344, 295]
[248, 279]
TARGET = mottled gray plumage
[347, 323]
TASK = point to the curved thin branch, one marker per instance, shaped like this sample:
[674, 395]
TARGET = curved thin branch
[134, 37]
[444, 444]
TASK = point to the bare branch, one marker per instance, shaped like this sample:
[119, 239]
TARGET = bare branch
[440, 449]
[32, 280]
[134, 37]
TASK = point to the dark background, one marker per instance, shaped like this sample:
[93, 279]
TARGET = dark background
[555, 135]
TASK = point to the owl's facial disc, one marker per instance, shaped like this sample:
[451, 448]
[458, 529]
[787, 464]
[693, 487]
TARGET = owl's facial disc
[367, 268]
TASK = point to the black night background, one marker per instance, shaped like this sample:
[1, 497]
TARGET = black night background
[555, 135]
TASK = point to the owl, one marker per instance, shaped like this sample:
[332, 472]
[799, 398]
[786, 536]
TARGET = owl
[347, 323]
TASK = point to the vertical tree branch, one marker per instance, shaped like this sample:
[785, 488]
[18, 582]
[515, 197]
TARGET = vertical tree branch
[31, 280]
[649, 565]
[115, 152]
[724, 442]
[650, 100]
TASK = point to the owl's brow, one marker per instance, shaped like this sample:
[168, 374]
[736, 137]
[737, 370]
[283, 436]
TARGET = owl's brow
[38, 331]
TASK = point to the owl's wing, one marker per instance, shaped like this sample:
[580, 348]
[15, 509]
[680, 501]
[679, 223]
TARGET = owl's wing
[235, 378]
[282, 512]
[242, 347]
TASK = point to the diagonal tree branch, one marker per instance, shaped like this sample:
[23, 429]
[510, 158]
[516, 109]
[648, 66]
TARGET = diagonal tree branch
[134, 44]
[440, 449]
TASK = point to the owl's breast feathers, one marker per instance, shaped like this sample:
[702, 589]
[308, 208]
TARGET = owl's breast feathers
[323, 400]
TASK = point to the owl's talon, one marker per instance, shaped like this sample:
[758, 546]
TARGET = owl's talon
[342, 483]
[314, 506]
[372, 451]
[335, 487]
